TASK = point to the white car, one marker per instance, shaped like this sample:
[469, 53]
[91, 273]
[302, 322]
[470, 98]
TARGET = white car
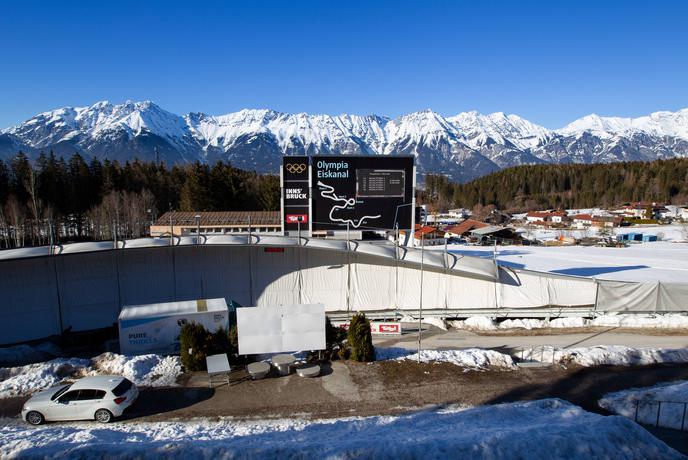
[102, 398]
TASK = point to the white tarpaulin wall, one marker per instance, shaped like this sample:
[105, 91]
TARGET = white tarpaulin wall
[44, 295]
[632, 297]
[277, 329]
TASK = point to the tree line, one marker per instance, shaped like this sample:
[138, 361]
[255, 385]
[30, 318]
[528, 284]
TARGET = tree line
[74, 199]
[564, 186]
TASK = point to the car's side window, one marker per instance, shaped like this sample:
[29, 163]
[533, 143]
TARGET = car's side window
[69, 396]
[87, 395]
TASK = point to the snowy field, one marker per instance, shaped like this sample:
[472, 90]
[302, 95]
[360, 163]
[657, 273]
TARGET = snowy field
[671, 415]
[145, 370]
[648, 262]
[549, 428]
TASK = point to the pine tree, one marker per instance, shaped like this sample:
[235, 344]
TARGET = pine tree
[360, 339]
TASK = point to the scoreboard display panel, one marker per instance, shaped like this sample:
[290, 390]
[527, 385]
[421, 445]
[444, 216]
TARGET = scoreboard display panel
[380, 183]
[362, 192]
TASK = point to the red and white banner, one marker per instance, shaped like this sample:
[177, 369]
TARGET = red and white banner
[381, 328]
[294, 218]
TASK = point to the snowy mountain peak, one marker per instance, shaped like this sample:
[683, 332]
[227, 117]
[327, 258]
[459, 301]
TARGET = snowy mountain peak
[463, 146]
[662, 123]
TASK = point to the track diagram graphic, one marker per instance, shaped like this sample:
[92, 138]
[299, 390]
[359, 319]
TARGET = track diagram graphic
[330, 195]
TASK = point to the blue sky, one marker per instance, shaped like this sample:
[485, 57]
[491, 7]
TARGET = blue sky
[550, 62]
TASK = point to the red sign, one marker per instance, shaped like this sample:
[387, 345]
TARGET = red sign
[273, 249]
[377, 327]
[294, 218]
[390, 328]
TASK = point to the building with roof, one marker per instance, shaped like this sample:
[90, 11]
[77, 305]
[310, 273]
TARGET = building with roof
[425, 236]
[464, 228]
[185, 223]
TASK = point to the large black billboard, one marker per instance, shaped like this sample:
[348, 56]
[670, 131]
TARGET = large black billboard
[362, 192]
[295, 193]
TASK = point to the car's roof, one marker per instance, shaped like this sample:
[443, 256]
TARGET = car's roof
[97, 382]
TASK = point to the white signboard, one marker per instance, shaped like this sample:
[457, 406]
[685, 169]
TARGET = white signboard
[281, 329]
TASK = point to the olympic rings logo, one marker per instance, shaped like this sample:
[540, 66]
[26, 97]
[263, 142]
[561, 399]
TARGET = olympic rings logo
[295, 168]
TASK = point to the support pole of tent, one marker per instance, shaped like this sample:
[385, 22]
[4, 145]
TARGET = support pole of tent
[59, 296]
[496, 280]
[659, 287]
[396, 269]
[119, 285]
[597, 294]
[420, 301]
[348, 274]
[446, 274]
[298, 223]
[250, 264]
[171, 230]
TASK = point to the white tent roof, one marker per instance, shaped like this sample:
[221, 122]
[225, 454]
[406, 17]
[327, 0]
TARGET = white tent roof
[172, 308]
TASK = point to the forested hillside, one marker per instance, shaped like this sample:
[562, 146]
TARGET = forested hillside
[85, 200]
[532, 187]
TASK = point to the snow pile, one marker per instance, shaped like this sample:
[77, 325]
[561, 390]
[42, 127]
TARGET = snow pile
[648, 321]
[549, 428]
[15, 381]
[471, 358]
[27, 353]
[146, 370]
[607, 355]
[477, 323]
[431, 320]
[483, 323]
[642, 402]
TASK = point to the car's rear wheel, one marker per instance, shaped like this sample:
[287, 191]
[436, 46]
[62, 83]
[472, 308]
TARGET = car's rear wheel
[34, 418]
[103, 416]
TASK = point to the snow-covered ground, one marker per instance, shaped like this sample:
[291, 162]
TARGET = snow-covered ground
[548, 428]
[643, 403]
[647, 262]
[146, 370]
[604, 355]
[484, 323]
[471, 358]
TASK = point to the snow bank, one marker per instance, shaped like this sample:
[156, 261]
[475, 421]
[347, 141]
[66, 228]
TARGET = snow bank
[27, 353]
[671, 414]
[146, 370]
[483, 323]
[648, 321]
[549, 428]
[472, 358]
[15, 381]
[602, 355]
[431, 320]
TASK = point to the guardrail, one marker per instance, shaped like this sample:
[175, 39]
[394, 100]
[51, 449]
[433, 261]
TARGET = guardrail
[681, 408]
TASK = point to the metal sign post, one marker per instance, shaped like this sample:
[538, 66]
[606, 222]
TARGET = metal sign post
[420, 303]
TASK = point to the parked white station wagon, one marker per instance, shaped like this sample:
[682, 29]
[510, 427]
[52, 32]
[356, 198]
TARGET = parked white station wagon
[101, 397]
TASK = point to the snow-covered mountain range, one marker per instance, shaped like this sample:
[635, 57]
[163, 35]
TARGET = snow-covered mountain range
[463, 147]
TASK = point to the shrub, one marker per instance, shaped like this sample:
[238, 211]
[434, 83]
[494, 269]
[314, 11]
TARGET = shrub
[360, 339]
[193, 341]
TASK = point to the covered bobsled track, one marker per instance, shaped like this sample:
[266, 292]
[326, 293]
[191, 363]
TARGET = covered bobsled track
[82, 286]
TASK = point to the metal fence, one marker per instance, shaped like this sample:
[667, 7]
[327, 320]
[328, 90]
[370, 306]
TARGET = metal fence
[668, 414]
